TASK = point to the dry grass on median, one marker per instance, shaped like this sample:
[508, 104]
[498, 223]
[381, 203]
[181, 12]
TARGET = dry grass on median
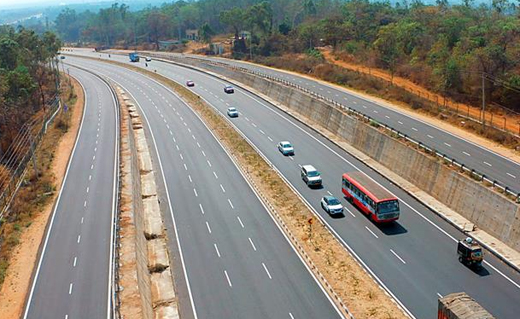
[356, 288]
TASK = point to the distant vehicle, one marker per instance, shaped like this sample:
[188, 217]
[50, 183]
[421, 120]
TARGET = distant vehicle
[148, 59]
[461, 306]
[232, 112]
[229, 89]
[372, 199]
[190, 83]
[310, 175]
[134, 57]
[286, 148]
[332, 205]
[470, 252]
[62, 57]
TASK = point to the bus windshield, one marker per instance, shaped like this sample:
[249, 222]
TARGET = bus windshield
[389, 206]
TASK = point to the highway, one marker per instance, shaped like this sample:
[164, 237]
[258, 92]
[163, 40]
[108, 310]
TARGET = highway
[414, 259]
[493, 165]
[236, 262]
[73, 274]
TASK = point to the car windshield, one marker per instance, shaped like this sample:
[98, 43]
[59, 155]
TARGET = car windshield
[389, 206]
[334, 201]
[313, 173]
[286, 145]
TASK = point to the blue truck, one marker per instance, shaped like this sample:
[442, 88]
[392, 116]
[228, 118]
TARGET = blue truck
[134, 57]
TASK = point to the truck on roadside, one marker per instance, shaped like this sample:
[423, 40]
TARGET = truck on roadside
[134, 57]
[460, 305]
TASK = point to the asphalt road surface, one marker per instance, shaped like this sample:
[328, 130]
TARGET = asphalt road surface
[72, 279]
[485, 161]
[414, 259]
[236, 262]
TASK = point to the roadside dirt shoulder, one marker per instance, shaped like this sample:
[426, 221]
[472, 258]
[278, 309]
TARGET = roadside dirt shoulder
[16, 285]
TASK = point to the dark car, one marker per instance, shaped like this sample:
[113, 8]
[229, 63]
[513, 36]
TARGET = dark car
[229, 89]
[190, 83]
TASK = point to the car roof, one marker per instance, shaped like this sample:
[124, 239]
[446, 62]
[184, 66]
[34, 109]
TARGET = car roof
[228, 86]
[231, 108]
[309, 168]
[329, 198]
[285, 142]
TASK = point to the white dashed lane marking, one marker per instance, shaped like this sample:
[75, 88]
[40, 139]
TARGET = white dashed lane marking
[396, 255]
[371, 232]
[240, 221]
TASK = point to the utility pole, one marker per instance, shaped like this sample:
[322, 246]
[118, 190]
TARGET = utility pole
[483, 102]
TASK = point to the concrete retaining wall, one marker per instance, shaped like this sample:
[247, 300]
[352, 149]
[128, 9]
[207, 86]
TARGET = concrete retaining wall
[141, 251]
[487, 209]
[155, 279]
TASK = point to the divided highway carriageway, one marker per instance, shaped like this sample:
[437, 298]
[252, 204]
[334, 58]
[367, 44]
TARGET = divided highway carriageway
[414, 259]
[232, 260]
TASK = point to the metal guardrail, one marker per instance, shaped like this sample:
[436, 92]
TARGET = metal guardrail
[21, 151]
[422, 146]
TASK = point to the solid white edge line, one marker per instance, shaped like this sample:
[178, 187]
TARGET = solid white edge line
[254, 191]
[259, 198]
[347, 161]
[169, 202]
[352, 93]
[111, 268]
[29, 300]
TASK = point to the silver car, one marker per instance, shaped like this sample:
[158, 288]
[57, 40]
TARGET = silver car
[286, 148]
[232, 112]
[332, 205]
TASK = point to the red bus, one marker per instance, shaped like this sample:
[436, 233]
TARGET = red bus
[372, 199]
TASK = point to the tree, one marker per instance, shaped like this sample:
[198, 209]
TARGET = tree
[205, 33]
[387, 46]
[233, 18]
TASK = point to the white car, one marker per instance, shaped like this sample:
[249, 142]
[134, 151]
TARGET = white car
[286, 148]
[310, 176]
[148, 59]
[232, 112]
[332, 205]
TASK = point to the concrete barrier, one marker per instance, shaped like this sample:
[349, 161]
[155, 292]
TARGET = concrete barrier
[157, 255]
[145, 162]
[166, 312]
[148, 187]
[153, 227]
[162, 288]
[487, 209]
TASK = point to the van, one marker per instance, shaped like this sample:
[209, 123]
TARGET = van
[310, 176]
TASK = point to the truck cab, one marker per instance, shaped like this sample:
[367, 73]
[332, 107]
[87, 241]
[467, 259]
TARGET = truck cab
[134, 57]
[470, 252]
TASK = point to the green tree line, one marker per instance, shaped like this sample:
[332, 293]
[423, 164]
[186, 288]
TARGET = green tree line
[26, 81]
[446, 48]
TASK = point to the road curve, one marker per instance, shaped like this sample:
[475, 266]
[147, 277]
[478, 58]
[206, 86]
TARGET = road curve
[236, 261]
[415, 259]
[494, 166]
[72, 278]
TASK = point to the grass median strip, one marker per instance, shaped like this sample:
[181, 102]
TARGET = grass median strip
[348, 280]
